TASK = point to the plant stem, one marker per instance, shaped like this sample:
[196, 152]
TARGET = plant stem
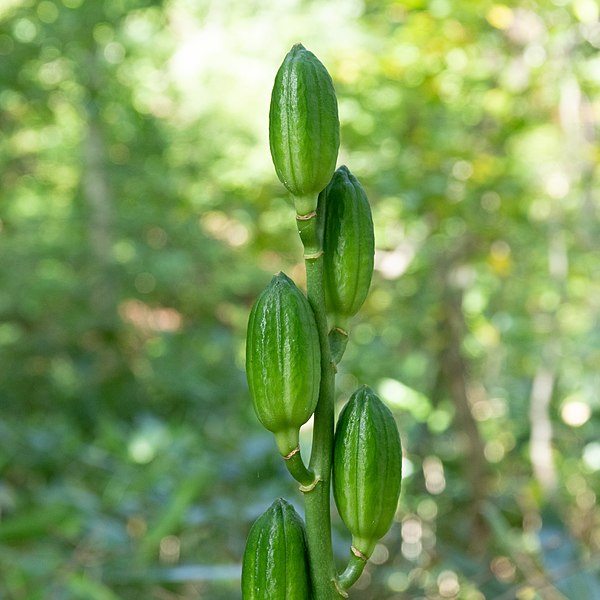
[353, 571]
[317, 501]
[298, 471]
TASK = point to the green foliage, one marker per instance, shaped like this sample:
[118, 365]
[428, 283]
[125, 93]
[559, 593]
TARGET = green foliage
[474, 128]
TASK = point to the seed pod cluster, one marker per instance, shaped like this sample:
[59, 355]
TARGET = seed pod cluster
[283, 360]
[290, 362]
[275, 560]
[367, 468]
[303, 126]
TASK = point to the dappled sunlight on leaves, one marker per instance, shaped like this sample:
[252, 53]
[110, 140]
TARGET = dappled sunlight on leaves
[130, 459]
[148, 319]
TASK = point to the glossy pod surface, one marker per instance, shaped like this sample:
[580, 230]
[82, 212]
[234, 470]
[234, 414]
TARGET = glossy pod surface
[283, 360]
[367, 468]
[349, 243]
[303, 124]
[275, 560]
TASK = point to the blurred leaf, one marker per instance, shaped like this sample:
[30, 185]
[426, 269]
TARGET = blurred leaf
[80, 586]
[37, 523]
[562, 559]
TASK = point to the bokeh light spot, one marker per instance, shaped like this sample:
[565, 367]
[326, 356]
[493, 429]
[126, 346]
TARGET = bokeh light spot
[575, 412]
[47, 11]
[503, 568]
[500, 16]
[433, 469]
[591, 456]
[170, 547]
[24, 30]
[398, 582]
[448, 584]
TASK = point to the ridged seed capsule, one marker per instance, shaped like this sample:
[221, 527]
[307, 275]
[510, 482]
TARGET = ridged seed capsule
[367, 469]
[283, 360]
[304, 128]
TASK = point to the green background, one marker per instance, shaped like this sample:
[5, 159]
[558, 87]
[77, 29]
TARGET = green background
[140, 216]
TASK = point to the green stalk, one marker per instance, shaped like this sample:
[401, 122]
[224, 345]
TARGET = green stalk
[356, 565]
[298, 471]
[317, 500]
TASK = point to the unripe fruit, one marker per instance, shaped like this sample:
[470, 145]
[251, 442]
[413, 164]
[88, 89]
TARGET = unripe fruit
[367, 468]
[275, 560]
[303, 126]
[349, 243]
[283, 360]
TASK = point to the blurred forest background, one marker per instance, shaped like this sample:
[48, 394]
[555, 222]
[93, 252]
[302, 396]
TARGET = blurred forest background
[140, 216]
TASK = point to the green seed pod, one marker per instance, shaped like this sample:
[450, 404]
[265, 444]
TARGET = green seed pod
[275, 559]
[283, 360]
[349, 243]
[367, 468]
[304, 129]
